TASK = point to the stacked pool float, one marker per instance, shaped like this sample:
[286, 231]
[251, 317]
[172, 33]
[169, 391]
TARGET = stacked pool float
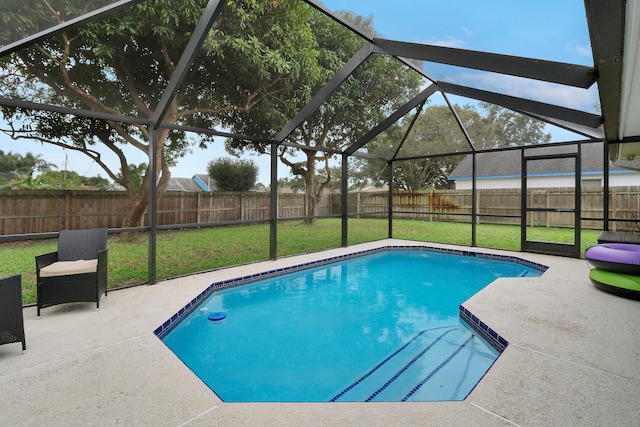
[617, 268]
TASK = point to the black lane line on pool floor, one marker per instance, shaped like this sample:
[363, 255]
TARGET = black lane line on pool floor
[407, 366]
[435, 371]
[379, 365]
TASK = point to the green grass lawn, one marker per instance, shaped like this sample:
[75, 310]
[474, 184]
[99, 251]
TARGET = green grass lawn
[195, 250]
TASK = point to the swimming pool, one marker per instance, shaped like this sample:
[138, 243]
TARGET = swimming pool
[380, 327]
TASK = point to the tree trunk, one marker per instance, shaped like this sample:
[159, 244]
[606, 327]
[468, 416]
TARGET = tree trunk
[312, 203]
[310, 188]
[314, 189]
[140, 201]
[136, 211]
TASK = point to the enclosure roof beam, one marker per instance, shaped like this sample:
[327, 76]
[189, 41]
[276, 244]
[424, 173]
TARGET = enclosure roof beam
[196, 40]
[29, 105]
[369, 156]
[463, 128]
[493, 150]
[606, 21]
[397, 115]
[434, 156]
[524, 105]
[214, 132]
[549, 71]
[408, 131]
[325, 92]
[68, 25]
[586, 131]
[309, 148]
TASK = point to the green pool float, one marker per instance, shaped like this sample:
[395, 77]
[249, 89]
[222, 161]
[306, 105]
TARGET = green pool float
[624, 285]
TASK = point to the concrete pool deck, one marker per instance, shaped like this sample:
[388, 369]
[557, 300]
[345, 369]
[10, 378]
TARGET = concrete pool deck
[573, 359]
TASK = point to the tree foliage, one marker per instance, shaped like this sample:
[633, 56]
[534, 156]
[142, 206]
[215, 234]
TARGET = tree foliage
[97, 182]
[24, 167]
[25, 182]
[55, 180]
[136, 175]
[437, 132]
[295, 184]
[254, 70]
[233, 174]
[26, 164]
[261, 62]
[376, 89]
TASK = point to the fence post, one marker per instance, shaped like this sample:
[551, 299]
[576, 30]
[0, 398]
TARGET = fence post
[198, 201]
[477, 206]
[67, 206]
[546, 214]
[613, 208]
[181, 215]
[430, 205]
[531, 213]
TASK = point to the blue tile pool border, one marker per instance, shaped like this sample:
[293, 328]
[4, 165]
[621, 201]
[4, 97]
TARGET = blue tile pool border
[164, 329]
[489, 335]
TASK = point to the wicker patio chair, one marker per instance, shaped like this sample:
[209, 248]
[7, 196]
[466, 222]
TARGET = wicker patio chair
[77, 272]
[11, 320]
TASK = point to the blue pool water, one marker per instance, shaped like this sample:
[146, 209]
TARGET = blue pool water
[380, 327]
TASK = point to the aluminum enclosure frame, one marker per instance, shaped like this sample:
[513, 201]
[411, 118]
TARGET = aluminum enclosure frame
[606, 25]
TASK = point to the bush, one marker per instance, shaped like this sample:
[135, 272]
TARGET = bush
[233, 175]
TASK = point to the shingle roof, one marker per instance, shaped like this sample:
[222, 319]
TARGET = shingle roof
[183, 184]
[207, 181]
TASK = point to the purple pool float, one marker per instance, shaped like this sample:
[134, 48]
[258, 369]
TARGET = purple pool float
[616, 257]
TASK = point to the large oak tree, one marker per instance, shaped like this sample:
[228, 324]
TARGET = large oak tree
[256, 69]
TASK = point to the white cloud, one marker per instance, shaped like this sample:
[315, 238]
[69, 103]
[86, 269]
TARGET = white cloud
[570, 97]
[580, 50]
[448, 41]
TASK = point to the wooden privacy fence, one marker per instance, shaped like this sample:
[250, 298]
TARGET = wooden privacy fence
[503, 206]
[40, 211]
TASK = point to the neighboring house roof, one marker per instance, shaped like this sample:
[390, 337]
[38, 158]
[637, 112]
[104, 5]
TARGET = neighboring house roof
[199, 182]
[183, 184]
[194, 184]
[508, 163]
[205, 181]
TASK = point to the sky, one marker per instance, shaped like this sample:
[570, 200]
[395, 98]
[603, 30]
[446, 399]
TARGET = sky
[545, 29]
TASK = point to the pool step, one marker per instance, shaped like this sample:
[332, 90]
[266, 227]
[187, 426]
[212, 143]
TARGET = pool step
[437, 364]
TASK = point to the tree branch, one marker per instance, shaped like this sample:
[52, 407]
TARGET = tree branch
[92, 154]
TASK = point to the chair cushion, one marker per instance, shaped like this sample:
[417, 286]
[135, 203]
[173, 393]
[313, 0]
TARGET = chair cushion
[67, 268]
